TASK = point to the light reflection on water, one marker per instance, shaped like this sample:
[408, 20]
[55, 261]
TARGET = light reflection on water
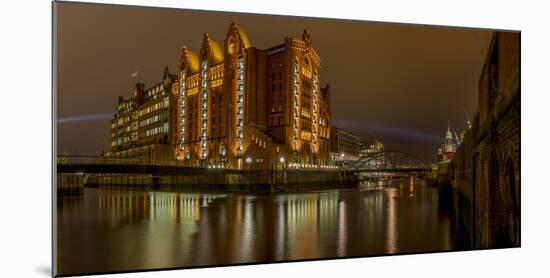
[112, 230]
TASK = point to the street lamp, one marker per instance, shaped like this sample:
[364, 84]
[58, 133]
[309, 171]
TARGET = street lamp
[223, 153]
[248, 161]
[283, 168]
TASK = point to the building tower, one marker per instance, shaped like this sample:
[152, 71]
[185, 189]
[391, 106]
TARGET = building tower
[448, 149]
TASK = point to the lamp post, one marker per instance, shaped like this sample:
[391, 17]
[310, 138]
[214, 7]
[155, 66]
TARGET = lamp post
[187, 155]
[283, 168]
[223, 153]
[248, 161]
[239, 157]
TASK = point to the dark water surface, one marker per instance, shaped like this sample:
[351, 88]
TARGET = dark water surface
[114, 230]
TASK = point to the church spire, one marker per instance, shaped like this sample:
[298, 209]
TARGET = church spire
[448, 134]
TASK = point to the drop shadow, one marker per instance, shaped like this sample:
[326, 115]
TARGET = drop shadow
[45, 270]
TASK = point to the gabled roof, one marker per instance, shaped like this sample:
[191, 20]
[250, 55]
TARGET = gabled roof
[243, 34]
[214, 49]
[191, 60]
[236, 31]
[166, 74]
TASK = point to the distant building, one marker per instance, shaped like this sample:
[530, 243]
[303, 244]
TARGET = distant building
[372, 150]
[446, 151]
[143, 125]
[345, 145]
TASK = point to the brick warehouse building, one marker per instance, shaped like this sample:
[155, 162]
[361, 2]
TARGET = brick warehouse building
[484, 173]
[236, 106]
[143, 125]
[243, 107]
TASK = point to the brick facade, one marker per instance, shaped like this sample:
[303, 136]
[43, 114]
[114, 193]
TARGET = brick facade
[244, 107]
[485, 171]
[142, 126]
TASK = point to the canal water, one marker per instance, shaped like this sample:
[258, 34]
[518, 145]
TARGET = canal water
[116, 230]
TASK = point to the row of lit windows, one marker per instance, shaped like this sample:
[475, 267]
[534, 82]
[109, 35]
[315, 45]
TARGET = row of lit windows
[216, 83]
[346, 140]
[240, 103]
[153, 91]
[204, 78]
[123, 140]
[182, 98]
[306, 114]
[306, 71]
[155, 130]
[216, 75]
[372, 149]
[305, 125]
[151, 120]
[124, 106]
[305, 135]
[129, 128]
[192, 81]
[322, 121]
[256, 140]
[315, 111]
[324, 132]
[295, 102]
[159, 105]
[216, 72]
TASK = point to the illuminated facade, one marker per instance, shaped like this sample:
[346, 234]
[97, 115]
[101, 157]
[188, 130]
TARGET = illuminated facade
[371, 148]
[345, 145]
[143, 125]
[372, 152]
[243, 107]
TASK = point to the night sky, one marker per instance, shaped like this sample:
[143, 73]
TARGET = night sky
[397, 83]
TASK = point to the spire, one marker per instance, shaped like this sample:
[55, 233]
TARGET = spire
[306, 37]
[448, 134]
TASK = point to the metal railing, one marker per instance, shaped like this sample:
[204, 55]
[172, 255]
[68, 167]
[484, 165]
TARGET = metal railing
[99, 160]
[76, 160]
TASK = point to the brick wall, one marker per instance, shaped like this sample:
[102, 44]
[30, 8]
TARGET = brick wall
[484, 173]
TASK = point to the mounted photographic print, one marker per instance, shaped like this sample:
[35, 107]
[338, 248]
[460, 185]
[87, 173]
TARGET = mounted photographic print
[188, 138]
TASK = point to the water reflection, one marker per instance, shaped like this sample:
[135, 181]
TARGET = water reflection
[391, 239]
[110, 230]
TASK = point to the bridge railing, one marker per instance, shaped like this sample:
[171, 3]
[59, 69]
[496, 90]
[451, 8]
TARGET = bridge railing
[75, 160]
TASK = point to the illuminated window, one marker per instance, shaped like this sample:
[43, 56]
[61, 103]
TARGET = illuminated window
[204, 78]
[240, 102]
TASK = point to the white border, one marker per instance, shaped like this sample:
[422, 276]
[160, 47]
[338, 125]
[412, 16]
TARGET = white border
[25, 52]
